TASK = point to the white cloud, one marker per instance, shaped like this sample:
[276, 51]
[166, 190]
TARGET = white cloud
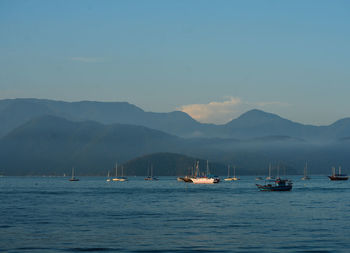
[225, 111]
[86, 59]
[213, 112]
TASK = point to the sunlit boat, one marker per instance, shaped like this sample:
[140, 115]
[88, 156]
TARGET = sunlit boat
[108, 177]
[276, 185]
[207, 179]
[119, 179]
[339, 176]
[234, 178]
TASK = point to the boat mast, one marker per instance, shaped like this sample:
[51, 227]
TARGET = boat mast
[207, 167]
[228, 171]
[305, 170]
[116, 169]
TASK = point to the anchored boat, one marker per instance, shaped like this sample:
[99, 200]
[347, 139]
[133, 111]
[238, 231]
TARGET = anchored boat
[306, 177]
[277, 185]
[73, 178]
[234, 178]
[120, 179]
[339, 176]
[207, 179]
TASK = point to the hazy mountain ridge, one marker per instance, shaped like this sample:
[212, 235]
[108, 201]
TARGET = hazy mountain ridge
[14, 112]
[52, 145]
[252, 124]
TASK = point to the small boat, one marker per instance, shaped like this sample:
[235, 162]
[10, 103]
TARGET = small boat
[119, 179]
[185, 179]
[151, 177]
[306, 177]
[258, 178]
[270, 177]
[108, 177]
[339, 176]
[73, 178]
[277, 185]
[234, 178]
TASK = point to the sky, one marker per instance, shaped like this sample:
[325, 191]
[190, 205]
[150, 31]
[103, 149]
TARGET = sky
[212, 59]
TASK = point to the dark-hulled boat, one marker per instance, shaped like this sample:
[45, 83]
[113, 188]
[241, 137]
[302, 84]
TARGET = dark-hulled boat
[186, 179]
[276, 185]
[73, 178]
[339, 176]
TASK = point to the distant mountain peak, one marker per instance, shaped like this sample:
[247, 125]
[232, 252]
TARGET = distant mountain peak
[256, 113]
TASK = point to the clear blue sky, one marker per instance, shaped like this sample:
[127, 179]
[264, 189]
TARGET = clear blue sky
[287, 57]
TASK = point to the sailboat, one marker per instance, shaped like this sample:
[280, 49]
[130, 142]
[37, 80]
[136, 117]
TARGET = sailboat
[120, 179]
[234, 178]
[270, 177]
[208, 179]
[339, 176]
[108, 177]
[73, 178]
[150, 177]
[306, 177]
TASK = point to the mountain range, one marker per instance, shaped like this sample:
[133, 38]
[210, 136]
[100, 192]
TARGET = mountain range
[45, 137]
[252, 124]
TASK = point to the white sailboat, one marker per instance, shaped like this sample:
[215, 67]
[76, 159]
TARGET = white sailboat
[204, 179]
[306, 177]
[108, 177]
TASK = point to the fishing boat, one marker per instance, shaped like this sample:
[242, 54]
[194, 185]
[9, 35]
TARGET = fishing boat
[234, 178]
[150, 177]
[205, 179]
[116, 178]
[276, 185]
[306, 177]
[73, 178]
[339, 176]
[270, 177]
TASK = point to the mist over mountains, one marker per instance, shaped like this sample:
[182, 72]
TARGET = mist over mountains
[50, 137]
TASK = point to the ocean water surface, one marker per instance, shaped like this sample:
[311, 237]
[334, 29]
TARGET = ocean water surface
[52, 214]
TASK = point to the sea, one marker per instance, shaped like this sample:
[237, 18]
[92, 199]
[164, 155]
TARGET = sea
[52, 214]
